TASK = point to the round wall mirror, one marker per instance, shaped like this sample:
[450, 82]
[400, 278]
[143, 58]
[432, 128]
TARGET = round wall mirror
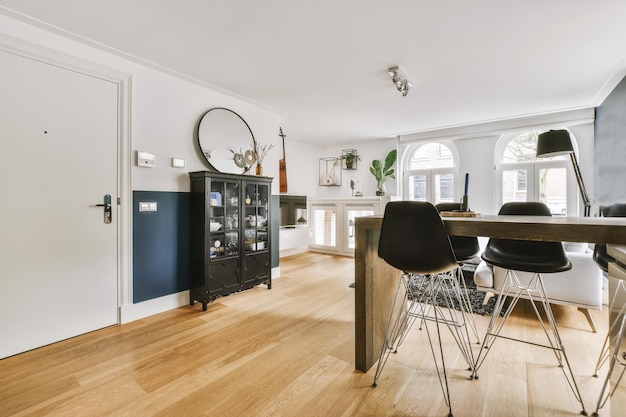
[226, 141]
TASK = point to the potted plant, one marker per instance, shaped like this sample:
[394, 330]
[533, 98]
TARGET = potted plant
[351, 157]
[382, 172]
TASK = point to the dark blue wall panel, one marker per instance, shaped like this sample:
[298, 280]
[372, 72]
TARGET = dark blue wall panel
[160, 245]
[275, 230]
[610, 148]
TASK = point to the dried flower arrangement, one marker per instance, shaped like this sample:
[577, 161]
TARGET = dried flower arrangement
[261, 152]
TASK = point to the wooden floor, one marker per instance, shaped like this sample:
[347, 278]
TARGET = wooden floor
[288, 352]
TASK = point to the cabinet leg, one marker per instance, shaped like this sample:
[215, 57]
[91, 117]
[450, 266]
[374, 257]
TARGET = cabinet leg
[204, 304]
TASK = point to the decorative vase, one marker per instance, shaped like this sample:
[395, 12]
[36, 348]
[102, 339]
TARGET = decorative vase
[259, 170]
[380, 190]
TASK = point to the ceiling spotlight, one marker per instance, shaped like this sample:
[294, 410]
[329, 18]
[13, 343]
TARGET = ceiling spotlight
[400, 80]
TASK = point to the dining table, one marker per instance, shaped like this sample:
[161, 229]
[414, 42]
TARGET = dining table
[375, 281]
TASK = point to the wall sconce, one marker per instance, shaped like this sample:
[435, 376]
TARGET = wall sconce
[400, 80]
[558, 142]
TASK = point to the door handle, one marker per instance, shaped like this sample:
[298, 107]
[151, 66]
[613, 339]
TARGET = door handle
[107, 208]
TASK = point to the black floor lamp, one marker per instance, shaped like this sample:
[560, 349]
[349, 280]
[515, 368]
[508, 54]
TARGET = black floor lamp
[558, 142]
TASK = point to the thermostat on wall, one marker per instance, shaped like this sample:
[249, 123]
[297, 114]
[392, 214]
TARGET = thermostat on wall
[145, 159]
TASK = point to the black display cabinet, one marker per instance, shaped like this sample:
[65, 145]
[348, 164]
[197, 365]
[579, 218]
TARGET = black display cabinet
[230, 239]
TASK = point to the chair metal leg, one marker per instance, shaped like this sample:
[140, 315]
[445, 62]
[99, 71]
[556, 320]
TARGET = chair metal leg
[468, 305]
[443, 379]
[514, 288]
[445, 288]
[419, 300]
[615, 358]
[461, 295]
[605, 351]
[394, 326]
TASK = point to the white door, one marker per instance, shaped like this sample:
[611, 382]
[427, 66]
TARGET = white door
[58, 159]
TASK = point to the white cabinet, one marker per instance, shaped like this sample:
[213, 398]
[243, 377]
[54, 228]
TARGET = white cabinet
[332, 221]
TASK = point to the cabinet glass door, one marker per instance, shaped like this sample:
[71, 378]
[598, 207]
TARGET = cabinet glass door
[256, 219]
[224, 219]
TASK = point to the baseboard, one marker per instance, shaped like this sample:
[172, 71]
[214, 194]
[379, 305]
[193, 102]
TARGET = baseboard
[132, 312]
[276, 272]
[293, 251]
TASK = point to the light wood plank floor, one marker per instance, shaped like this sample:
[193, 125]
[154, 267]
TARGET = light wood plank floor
[288, 352]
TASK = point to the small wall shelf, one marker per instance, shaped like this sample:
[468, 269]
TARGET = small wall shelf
[349, 163]
[330, 171]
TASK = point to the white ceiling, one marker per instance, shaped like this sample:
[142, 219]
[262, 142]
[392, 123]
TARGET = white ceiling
[323, 63]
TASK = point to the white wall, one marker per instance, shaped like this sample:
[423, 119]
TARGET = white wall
[164, 110]
[367, 151]
[476, 144]
[476, 155]
[476, 158]
[301, 160]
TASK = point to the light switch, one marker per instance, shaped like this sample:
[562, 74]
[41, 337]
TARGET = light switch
[147, 206]
[178, 163]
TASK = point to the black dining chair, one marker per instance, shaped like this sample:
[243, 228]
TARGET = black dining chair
[465, 249]
[599, 251]
[540, 258]
[414, 239]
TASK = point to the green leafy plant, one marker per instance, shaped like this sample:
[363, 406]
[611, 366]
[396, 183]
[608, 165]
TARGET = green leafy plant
[351, 158]
[384, 171]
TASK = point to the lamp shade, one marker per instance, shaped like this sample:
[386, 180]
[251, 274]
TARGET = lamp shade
[554, 143]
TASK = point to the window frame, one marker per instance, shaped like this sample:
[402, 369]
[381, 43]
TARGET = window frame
[430, 173]
[532, 174]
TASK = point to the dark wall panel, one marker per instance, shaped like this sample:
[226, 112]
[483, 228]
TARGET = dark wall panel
[160, 245]
[275, 230]
[610, 148]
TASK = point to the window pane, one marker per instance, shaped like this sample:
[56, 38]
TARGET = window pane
[431, 155]
[417, 187]
[325, 221]
[553, 189]
[522, 148]
[352, 215]
[521, 180]
[444, 188]
[514, 185]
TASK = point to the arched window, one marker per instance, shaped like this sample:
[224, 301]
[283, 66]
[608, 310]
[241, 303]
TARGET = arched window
[521, 176]
[430, 172]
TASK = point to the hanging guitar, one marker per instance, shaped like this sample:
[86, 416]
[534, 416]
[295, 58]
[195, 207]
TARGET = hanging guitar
[282, 166]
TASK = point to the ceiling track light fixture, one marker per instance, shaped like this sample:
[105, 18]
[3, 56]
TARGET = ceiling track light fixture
[400, 80]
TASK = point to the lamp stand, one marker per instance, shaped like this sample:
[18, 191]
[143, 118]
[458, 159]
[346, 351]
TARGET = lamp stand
[583, 192]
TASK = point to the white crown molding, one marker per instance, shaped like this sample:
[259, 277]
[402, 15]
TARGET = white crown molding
[543, 121]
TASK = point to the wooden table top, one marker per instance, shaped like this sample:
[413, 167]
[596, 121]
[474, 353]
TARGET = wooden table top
[546, 228]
